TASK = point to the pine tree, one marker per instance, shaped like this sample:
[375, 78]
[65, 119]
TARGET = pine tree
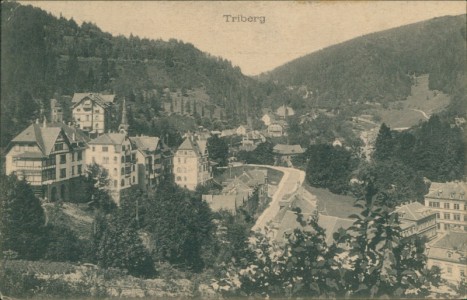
[384, 143]
[22, 227]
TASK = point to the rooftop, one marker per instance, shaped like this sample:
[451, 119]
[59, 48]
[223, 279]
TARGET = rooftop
[448, 190]
[109, 139]
[288, 149]
[413, 211]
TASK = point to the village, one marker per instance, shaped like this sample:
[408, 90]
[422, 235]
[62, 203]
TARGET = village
[53, 157]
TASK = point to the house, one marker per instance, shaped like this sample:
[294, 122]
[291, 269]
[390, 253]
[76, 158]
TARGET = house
[251, 140]
[228, 132]
[230, 203]
[448, 201]
[275, 130]
[448, 252]
[148, 160]
[115, 153]
[417, 220]
[241, 130]
[51, 157]
[284, 153]
[285, 222]
[267, 119]
[191, 163]
[56, 111]
[285, 111]
[91, 111]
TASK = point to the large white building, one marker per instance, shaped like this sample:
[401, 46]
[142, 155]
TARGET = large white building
[449, 202]
[191, 163]
[51, 157]
[117, 155]
[91, 111]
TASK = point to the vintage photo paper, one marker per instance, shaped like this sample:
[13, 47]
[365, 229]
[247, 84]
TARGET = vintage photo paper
[233, 149]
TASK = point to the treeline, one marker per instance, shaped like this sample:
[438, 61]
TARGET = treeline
[44, 57]
[401, 163]
[379, 66]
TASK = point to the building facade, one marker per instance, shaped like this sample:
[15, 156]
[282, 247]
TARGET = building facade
[448, 201]
[191, 163]
[56, 111]
[417, 220]
[448, 252]
[51, 157]
[148, 160]
[91, 111]
[115, 153]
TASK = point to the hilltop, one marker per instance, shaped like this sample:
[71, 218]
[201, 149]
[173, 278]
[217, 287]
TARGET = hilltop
[381, 67]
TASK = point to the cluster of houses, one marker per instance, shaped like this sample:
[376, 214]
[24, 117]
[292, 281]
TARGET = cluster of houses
[442, 221]
[53, 156]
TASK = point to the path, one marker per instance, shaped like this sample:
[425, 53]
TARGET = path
[290, 182]
[422, 112]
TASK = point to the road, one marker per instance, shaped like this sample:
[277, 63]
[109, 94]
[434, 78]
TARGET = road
[290, 182]
[422, 112]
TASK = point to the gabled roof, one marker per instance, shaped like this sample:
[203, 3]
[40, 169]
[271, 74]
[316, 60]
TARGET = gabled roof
[145, 143]
[109, 139]
[189, 143]
[44, 137]
[453, 240]
[253, 177]
[77, 97]
[102, 100]
[74, 134]
[445, 190]
[413, 211]
[236, 186]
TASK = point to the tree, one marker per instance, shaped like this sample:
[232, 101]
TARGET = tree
[262, 155]
[329, 167]
[96, 189]
[62, 244]
[118, 244]
[218, 150]
[22, 227]
[384, 144]
[180, 225]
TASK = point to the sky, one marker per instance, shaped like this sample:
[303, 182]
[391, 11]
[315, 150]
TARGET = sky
[290, 29]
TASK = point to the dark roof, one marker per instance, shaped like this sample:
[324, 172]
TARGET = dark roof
[77, 97]
[44, 137]
[109, 139]
[413, 211]
[453, 240]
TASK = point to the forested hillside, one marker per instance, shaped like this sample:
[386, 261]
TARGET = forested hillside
[378, 67]
[43, 56]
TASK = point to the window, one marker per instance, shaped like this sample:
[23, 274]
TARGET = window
[80, 155]
[123, 159]
[179, 160]
[446, 205]
[462, 271]
[438, 225]
[456, 206]
[438, 215]
[105, 149]
[115, 159]
[80, 169]
[72, 170]
[134, 168]
[122, 183]
[72, 157]
[96, 111]
[59, 147]
[447, 216]
[122, 172]
[115, 183]
[93, 149]
[465, 218]
[449, 254]
[79, 109]
[457, 217]
[63, 158]
[62, 173]
[115, 172]
[435, 204]
[179, 178]
[446, 226]
[134, 179]
[105, 160]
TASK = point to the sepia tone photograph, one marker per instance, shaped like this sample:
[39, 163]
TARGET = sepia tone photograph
[233, 150]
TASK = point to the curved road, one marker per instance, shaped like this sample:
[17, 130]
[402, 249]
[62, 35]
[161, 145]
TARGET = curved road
[290, 182]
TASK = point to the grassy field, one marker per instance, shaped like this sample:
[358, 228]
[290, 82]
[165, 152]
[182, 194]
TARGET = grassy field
[333, 204]
[422, 103]
[72, 216]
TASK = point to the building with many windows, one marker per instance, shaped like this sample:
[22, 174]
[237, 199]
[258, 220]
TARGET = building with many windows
[417, 220]
[191, 163]
[91, 111]
[51, 157]
[117, 155]
[448, 252]
[149, 160]
[448, 201]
